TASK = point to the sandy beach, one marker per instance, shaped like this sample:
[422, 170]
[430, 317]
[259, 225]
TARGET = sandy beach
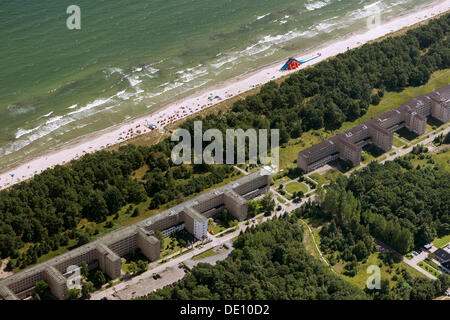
[204, 99]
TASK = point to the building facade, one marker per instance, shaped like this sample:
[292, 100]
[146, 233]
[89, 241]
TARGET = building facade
[378, 131]
[105, 252]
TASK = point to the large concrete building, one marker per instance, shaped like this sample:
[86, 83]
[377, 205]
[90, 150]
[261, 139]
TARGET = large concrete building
[378, 131]
[105, 252]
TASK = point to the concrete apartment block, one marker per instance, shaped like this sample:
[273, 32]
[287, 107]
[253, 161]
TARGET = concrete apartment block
[236, 204]
[440, 104]
[380, 137]
[105, 252]
[56, 281]
[7, 294]
[195, 212]
[378, 131]
[194, 222]
[149, 245]
[108, 261]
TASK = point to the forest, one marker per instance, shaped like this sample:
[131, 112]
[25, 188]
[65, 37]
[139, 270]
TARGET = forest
[269, 261]
[342, 88]
[46, 210]
[401, 206]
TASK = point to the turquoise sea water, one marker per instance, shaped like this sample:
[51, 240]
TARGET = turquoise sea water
[132, 56]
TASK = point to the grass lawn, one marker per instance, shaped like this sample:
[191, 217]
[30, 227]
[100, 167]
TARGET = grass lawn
[429, 268]
[227, 232]
[366, 157]
[391, 100]
[327, 177]
[432, 124]
[308, 241]
[289, 151]
[132, 257]
[296, 187]
[280, 181]
[422, 139]
[406, 134]
[442, 159]
[206, 254]
[332, 174]
[288, 196]
[52, 254]
[387, 272]
[440, 242]
[169, 247]
[182, 253]
[432, 263]
[172, 244]
[371, 153]
[319, 178]
[281, 200]
[215, 227]
[139, 173]
[397, 143]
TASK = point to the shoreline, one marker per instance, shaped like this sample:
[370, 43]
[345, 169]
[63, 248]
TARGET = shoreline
[205, 98]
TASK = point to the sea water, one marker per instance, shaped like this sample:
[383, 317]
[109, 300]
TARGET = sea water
[133, 56]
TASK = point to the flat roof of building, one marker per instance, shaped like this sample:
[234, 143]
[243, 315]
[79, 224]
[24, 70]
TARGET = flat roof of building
[441, 94]
[318, 147]
[443, 253]
[204, 197]
[194, 214]
[236, 197]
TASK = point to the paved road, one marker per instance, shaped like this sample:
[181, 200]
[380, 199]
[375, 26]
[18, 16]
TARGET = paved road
[401, 152]
[138, 283]
[142, 282]
[413, 263]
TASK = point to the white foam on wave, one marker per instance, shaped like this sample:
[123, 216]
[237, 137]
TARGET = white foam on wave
[46, 115]
[270, 40]
[223, 61]
[327, 27]
[150, 71]
[19, 109]
[22, 132]
[54, 119]
[34, 134]
[133, 80]
[316, 5]
[262, 17]
[96, 103]
[369, 10]
[190, 74]
[115, 70]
